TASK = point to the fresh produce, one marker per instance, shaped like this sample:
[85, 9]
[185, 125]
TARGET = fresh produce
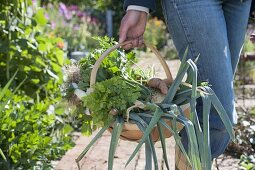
[109, 95]
[117, 66]
[121, 96]
[158, 84]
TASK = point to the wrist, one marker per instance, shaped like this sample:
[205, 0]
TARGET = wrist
[137, 12]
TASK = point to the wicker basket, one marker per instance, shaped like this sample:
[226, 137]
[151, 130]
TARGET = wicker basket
[130, 131]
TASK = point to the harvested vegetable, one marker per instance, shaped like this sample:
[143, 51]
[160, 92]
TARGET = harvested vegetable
[119, 98]
[109, 95]
[159, 84]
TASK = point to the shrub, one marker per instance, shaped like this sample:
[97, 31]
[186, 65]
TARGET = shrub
[37, 56]
[26, 133]
[32, 132]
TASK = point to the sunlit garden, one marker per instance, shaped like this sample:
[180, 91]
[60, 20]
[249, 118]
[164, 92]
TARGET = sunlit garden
[54, 100]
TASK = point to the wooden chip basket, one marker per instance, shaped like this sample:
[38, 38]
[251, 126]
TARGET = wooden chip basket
[130, 131]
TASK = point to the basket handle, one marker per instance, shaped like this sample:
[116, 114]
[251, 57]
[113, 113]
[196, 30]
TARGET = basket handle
[95, 68]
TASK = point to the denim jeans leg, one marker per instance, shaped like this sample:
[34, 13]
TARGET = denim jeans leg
[201, 25]
[236, 15]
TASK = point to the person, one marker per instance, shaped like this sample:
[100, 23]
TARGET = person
[212, 29]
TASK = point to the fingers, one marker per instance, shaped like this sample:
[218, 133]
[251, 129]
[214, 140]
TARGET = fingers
[140, 42]
[123, 31]
[135, 42]
[132, 28]
[128, 46]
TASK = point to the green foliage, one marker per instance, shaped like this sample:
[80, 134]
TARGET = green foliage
[114, 93]
[31, 132]
[117, 63]
[247, 162]
[26, 128]
[111, 97]
[35, 55]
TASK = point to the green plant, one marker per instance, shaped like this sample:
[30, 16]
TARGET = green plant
[114, 95]
[247, 162]
[31, 133]
[26, 138]
[78, 77]
[25, 47]
[150, 114]
[3, 93]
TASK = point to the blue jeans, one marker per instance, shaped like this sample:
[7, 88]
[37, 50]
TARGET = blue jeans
[215, 29]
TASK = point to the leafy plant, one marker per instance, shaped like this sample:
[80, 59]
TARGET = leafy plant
[116, 64]
[26, 47]
[31, 133]
[2, 105]
[247, 162]
[26, 138]
[78, 77]
[151, 115]
[113, 95]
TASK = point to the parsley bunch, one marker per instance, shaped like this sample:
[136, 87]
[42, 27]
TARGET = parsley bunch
[115, 93]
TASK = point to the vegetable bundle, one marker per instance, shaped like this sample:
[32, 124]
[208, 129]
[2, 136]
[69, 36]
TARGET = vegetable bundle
[121, 96]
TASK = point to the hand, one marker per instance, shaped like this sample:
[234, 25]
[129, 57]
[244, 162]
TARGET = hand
[132, 28]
